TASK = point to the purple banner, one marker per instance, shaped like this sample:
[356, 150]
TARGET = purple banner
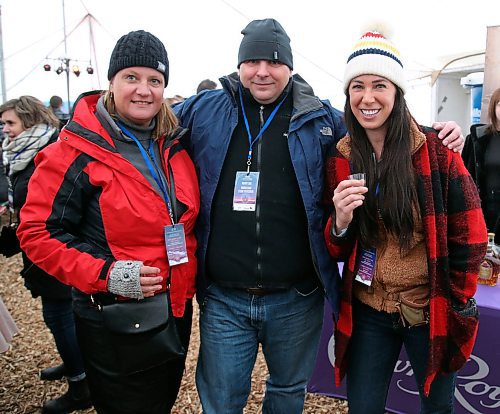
[478, 383]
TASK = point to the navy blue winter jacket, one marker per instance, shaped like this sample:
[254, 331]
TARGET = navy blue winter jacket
[315, 126]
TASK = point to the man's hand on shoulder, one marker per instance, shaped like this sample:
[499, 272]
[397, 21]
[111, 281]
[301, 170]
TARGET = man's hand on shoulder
[451, 134]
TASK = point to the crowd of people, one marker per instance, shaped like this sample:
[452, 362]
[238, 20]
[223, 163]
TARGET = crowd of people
[242, 196]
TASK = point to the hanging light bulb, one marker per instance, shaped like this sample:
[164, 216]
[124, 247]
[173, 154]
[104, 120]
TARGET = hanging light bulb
[90, 70]
[46, 67]
[76, 70]
[59, 70]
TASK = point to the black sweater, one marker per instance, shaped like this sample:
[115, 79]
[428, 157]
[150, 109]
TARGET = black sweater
[268, 247]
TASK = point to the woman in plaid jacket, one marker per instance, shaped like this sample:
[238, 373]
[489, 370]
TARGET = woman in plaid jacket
[411, 234]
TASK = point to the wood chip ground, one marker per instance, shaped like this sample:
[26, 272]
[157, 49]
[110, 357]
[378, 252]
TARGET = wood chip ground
[21, 390]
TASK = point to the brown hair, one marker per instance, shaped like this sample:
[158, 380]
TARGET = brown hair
[492, 115]
[391, 181]
[31, 111]
[166, 121]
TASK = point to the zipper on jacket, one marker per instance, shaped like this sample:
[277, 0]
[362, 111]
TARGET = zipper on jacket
[261, 115]
[257, 206]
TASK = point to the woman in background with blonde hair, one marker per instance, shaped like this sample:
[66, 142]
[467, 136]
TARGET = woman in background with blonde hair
[28, 127]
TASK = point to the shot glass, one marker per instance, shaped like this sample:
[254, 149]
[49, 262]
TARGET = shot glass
[357, 176]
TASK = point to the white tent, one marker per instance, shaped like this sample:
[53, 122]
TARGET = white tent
[202, 38]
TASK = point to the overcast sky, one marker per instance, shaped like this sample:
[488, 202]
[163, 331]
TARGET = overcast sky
[202, 37]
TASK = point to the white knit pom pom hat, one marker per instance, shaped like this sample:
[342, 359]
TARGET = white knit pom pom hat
[374, 54]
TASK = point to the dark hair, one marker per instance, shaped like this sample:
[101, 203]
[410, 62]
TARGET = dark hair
[31, 111]
[206, 84]
[55, 102]
[492, 115]
[391, 182]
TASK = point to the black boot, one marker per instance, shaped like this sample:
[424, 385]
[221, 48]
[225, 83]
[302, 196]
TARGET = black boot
[76, 398]
[53, 373]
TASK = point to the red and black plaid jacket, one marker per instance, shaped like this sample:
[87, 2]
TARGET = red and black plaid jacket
[455, 243]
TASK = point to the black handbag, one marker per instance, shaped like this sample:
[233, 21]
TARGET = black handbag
[143, 333]
[9, 243]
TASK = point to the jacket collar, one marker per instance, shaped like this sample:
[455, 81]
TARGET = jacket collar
[479, 131]
[304, 100]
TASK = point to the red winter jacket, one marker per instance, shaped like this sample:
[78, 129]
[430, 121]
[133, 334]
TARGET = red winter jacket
[455, 237]
[88, 207]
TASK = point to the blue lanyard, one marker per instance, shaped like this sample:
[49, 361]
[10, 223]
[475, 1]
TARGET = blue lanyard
[148, 157]
[375, 164]
[264, 127]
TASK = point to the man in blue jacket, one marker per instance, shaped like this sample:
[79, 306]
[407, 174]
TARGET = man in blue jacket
[259, 145]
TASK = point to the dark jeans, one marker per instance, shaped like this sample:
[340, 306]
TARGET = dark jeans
[59, 318]
[149, 392]
[373, 352]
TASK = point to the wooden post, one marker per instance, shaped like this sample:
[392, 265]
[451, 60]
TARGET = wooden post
[491, 69]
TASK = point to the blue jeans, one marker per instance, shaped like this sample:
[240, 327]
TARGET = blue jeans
[59, 318]
[232, 325]
[373, 352]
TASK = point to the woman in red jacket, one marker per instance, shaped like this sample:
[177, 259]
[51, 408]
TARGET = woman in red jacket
[101, 208]
[412, 236]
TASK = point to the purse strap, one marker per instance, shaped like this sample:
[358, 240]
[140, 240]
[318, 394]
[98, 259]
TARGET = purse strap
[407, 297]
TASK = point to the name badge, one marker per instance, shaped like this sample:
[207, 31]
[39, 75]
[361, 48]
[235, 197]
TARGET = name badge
[175, 241]
[366, 270]
[245, 191]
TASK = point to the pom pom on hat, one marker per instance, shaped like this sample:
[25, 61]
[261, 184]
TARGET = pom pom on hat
[374, 54]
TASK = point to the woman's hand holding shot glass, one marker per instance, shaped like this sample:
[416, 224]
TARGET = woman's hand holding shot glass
[348, 195]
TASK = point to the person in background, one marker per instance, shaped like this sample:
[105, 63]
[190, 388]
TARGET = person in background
[206, 85]
[411, 235]
[55, 104]
[481, 155]
[259, 144]
[101, 201]
[4, 185]
[174, 100]
[8, 328]
[29, 127]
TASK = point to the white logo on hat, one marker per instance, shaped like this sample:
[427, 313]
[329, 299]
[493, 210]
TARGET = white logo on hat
[161, 67]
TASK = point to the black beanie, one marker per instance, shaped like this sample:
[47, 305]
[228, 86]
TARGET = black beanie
[139, 48]
[265, 40]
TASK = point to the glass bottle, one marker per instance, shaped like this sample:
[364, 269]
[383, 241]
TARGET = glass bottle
[490, 266]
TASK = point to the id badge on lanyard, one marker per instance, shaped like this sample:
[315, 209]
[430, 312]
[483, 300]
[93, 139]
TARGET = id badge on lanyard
[247, 182]
[245, 191]
[175, 238]
[175, 242]
[367, 263]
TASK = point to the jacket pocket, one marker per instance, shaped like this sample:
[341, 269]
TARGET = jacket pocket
[462, 327]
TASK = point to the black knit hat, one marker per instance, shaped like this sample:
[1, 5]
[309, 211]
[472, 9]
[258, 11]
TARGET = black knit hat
[139, 48]
[265, 40]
